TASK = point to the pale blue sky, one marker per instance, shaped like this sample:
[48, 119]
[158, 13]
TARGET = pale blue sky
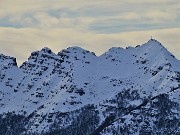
[29, 25]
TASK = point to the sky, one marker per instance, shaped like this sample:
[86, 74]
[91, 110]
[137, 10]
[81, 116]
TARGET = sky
[95, 25]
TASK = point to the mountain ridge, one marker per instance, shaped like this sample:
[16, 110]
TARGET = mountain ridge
[151, 41]
[52, 92]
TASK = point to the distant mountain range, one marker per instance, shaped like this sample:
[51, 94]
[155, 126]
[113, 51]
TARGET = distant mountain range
[132, 91]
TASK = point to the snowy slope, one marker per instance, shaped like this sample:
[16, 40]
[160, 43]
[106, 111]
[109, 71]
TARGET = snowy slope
[48, 85]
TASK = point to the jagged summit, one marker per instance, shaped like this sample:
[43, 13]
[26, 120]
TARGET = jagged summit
[155, 49]
[43, 53]
[46, 50]
[152, 44]
[153, 41]
[4, 57]
[76, 50]
[152, 53]
[155, 44]
[115, 49]
[40, 60]
[7, 60]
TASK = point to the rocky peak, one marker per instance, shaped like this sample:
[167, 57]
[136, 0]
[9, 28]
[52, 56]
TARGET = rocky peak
[46, 50]
[153, 41]
[7, 61]
[154, 47]
[74, 50]
[156, 52]
[38, 59]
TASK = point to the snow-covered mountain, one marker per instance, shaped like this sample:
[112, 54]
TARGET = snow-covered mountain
[132, 91]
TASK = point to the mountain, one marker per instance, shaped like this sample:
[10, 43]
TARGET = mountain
[132, 91]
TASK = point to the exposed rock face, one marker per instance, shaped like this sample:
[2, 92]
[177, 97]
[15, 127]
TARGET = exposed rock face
[132, 91]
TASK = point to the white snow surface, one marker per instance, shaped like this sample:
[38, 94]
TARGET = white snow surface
[76, 77]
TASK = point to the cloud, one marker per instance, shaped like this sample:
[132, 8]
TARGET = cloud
[161, 15]
[99, 14]
[19, 7]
